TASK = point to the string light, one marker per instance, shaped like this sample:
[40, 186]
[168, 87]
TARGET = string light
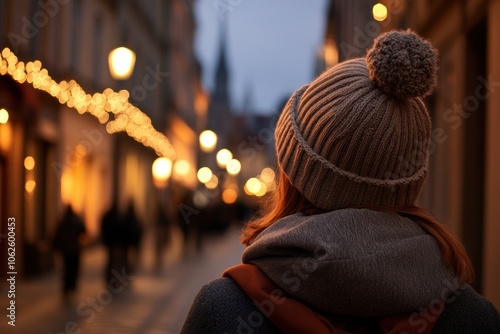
[127, 117]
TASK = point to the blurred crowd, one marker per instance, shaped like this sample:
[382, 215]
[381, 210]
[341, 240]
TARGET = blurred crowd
[122, 234]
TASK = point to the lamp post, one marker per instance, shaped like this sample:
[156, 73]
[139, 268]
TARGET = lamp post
[121, 63]
[161, 172]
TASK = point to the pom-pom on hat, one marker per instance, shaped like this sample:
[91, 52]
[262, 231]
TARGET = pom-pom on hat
[358, 135]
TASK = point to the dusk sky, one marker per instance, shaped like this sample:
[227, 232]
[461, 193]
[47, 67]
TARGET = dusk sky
[271, 46]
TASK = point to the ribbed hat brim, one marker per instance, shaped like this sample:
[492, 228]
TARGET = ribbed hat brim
[329, 187]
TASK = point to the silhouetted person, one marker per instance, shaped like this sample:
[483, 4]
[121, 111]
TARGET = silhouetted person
[68, 240]
[184, 217]
[133, 233]
[190, 221]
[113, 236]
[162, 235]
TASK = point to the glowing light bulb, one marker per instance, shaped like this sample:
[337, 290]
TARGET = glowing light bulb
[4, 116]
[379, 12]
[162, 168]
[121, 63]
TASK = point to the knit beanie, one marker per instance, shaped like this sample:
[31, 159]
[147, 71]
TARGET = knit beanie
[358, 135]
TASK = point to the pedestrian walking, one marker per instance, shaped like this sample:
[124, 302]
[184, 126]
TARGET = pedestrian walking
[342, 246]
[162, 235]
[113, 236]
[133, 229]
[69, 237]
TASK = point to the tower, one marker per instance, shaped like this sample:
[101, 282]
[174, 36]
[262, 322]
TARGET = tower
[219, 110]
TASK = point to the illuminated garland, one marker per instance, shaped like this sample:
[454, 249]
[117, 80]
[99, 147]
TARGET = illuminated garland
[127, 117]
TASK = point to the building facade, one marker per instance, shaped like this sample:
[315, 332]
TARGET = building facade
[51, 155]
[463, 187]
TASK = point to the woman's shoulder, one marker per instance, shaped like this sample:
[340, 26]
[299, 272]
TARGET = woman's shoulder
[222, 307]
[466, 311]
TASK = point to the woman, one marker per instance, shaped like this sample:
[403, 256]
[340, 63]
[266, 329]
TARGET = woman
[342, 247]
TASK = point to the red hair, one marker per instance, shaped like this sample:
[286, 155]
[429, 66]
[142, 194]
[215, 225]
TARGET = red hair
[287, 200]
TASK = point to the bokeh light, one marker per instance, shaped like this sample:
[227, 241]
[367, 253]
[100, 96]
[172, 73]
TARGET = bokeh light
[181, 168]
[229, 196]
[204, 174]
[253, 185]
[29, 162]
[223, 157]
[379, 12]
[233, 167]
[162, 168]
[267, 175]
[212, 183]
[208, 141]
[30, 186]
[262, 190]
[200, 200]
[4, 116]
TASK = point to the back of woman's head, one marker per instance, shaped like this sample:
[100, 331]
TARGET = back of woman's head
[358, 137]
[361, 128]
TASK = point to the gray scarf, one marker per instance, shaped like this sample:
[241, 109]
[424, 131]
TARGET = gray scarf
[353, 262]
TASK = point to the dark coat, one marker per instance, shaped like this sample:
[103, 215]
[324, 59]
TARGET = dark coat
[358, 270]
[222, 307]
[67, 237]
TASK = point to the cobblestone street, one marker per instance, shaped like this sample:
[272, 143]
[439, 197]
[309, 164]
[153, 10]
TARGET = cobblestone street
[152, 303]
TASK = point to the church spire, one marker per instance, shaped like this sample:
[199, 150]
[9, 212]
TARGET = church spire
[221, 72]
[220, 102]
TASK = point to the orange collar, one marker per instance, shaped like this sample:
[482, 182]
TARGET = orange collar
[292, 316]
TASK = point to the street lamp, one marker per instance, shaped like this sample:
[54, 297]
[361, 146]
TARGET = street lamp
[379, 12]
[121, 63]
[4, 116]
[162, 169]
